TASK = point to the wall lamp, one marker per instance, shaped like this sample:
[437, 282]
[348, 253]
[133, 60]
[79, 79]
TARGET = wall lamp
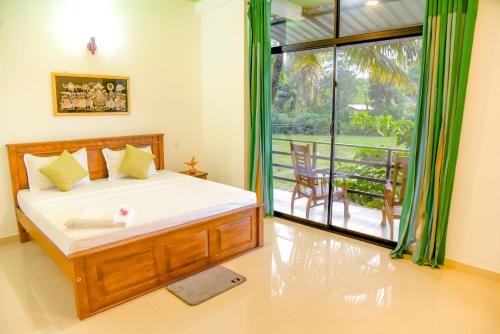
[91, 46]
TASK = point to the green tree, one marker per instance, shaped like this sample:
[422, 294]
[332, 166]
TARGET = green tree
[387, 63]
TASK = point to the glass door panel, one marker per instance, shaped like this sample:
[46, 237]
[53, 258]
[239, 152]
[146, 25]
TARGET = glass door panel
[302, 94]
[375, 107]
[294, 22]
[366, 16]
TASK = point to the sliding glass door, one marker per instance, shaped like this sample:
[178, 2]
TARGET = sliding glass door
[345, 78]
[302, 93]
[375, 109]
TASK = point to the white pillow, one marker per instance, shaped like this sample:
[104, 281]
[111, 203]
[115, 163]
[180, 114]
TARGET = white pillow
[37, 181]
[114, 160]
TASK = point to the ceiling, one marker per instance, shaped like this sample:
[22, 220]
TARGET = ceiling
[296, 21]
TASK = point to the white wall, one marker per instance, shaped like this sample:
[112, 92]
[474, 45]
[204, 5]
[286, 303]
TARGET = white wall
[155, 42]
[474, 225]
[224, 134]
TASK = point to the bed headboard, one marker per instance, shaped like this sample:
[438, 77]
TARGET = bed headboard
[94, 146]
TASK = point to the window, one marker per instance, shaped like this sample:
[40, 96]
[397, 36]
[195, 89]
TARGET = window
[299, 21]
[302, 94]
[365, 16]
[328, 137]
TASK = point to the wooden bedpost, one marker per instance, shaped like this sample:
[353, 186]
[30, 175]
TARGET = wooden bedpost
[24, 236]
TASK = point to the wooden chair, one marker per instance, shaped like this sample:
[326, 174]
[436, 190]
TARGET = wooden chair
[393, 199]
[312, 183]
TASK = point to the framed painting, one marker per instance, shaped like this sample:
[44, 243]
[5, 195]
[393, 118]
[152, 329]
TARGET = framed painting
[87, 94]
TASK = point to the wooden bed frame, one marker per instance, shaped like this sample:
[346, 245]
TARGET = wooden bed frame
[114, 273]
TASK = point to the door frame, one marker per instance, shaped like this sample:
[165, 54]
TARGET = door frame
[335, 42]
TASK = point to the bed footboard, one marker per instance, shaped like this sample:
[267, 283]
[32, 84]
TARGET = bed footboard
[110, 275]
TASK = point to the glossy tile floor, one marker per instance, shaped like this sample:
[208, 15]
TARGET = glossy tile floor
[303, 281]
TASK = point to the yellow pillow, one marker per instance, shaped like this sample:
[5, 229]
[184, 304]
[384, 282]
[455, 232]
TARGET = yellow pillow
[65, 172]
[136, 162]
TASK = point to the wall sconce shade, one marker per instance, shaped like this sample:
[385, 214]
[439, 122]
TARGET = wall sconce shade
[91, 46]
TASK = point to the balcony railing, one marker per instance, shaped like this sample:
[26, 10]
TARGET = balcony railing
[316, 156]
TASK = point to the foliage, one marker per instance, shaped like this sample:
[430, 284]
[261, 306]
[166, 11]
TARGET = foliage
[373, 155]
[384, 125]
[311, 69]
[364, 154]
[303, 123]
[387, 63]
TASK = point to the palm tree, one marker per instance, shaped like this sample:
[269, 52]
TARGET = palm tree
[300, 84]
[277, 65]
[386, 63]
[310, 68]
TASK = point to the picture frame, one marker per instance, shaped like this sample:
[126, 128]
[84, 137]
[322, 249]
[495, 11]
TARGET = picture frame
[90, 94]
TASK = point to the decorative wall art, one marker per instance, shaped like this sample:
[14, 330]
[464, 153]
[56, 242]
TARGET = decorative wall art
[86, 94]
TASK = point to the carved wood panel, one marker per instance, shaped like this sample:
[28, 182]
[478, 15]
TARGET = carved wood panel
[121, 273]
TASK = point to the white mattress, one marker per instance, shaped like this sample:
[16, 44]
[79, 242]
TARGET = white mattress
[162, 201]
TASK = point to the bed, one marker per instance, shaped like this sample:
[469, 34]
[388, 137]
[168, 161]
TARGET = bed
[183, 225]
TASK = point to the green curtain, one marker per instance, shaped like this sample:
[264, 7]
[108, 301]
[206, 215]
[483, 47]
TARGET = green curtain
[446, 51]
[261, 172]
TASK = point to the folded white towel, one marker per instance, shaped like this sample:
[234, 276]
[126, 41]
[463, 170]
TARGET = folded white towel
[101, 218]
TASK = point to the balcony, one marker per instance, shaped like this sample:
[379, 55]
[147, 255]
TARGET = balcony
[363, 220]
[367, 169]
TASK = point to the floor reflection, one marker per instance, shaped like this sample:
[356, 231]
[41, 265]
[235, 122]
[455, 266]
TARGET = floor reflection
[303, 280]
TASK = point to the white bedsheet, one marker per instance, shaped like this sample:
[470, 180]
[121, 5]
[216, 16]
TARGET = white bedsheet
[162, 201]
